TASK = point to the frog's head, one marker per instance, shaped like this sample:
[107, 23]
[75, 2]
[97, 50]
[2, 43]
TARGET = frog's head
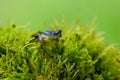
[56, 34]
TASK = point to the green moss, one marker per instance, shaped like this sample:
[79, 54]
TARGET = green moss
[80, 54]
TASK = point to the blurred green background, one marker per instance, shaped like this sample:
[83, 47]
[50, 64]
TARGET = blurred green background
[37, 13]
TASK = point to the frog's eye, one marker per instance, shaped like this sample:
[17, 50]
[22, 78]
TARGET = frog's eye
[58, 31]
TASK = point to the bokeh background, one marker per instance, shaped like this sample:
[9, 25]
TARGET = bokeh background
[37, 13]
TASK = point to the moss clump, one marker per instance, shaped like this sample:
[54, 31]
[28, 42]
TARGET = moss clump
[79, 54]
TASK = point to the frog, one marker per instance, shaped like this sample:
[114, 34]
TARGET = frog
[47, 35]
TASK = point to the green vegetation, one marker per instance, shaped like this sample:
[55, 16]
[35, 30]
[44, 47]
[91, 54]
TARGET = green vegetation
[80, 54]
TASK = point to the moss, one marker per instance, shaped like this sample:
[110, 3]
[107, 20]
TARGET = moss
[80, 54]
